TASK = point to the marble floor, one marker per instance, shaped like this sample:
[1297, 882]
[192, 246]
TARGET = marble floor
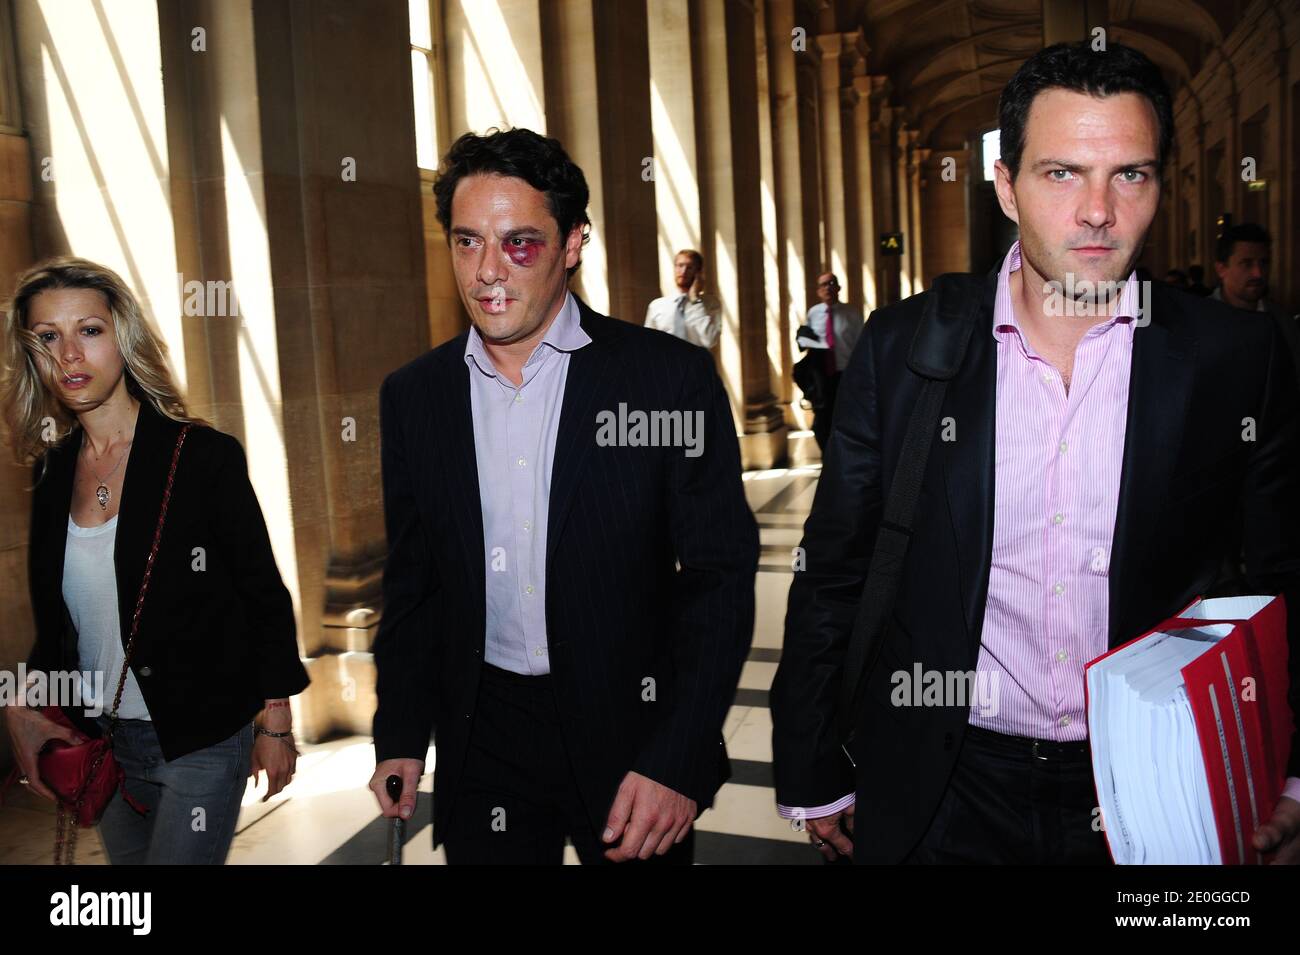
[328, 817]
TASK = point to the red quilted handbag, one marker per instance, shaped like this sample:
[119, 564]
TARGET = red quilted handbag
[85, 776]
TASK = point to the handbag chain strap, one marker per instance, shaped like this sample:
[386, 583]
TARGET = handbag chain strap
[144, 584]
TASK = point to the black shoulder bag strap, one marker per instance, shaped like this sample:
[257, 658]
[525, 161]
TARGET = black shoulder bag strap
[937, 351]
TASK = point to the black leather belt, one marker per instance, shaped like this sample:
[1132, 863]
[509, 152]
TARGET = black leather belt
[1075, 751]
[499, 675]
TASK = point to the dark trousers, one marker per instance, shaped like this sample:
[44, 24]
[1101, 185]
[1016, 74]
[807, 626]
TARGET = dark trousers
[518, 798]
[1004, 805]
[823, 413]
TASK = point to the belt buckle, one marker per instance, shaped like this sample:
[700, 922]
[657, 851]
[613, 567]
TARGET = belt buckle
[1035, 751]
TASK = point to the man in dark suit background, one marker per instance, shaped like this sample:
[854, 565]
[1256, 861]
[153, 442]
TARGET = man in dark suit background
[1096, 464]
[569, 593]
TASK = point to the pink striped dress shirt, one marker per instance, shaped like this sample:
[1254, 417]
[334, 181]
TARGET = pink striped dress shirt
[1057, 472]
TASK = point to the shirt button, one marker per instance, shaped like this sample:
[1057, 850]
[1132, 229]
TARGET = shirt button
[518, 397]
[528, 589]
[1064, 720]
[1058, 588]
[538, 652]
[1047, 376]
[1062, 656]
[528, 525]
[146, 671]
[1063, 447]
[1057, 518]
[521, 462]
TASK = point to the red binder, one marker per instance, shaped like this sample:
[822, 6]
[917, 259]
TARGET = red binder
[1237, 693]
[1266, 635]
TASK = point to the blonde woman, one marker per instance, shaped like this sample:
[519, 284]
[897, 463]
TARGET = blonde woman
[88, 400]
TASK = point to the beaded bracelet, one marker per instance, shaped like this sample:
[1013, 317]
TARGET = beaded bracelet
[258, 731]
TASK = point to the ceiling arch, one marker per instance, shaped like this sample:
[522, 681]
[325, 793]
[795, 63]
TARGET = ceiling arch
[949, 57]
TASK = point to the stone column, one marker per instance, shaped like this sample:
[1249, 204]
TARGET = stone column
[344, 237]
[903, 195]
[944, 207]
[776, 326]
[494, 65]
[626, 133]
[813, 207]
[598, 106]
[832, 153]
[886, 206]
[572, 109]
[791, 247]
[852, 278]
[11, 114]
[672, 115]
[853, 49]
[447, 317]
[292, 148]
[16, 254]
[1195, 195]
[731, 219]
[865, 205]
[914, 168]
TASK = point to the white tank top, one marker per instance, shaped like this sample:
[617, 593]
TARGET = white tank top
[90, 591]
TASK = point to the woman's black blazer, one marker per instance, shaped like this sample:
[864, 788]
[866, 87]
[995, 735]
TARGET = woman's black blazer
[217, 634]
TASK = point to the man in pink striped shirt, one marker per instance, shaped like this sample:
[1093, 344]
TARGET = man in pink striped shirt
[1090, 479]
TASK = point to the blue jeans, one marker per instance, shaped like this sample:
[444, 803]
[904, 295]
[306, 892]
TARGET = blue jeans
[193, 801]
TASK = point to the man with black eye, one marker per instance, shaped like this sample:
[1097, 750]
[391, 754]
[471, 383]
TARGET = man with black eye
[567, 616]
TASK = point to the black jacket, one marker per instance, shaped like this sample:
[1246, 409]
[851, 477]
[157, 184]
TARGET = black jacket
[212, 644]
[1192, 493]
[618, 611]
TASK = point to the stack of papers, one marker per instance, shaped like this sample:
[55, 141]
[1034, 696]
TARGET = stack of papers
[1189, 732]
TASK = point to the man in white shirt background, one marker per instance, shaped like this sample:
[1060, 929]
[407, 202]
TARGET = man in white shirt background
[844, 323]
[690, 313]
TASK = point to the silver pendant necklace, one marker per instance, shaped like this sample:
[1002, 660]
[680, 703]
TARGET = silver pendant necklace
[102, 494]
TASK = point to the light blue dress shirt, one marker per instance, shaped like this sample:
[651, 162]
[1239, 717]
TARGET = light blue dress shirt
[514, 443]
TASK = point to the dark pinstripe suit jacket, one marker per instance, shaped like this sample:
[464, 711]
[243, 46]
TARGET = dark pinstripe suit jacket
[619, 609]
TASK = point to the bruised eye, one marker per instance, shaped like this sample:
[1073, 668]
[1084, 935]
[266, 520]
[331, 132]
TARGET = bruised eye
[522, 250]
